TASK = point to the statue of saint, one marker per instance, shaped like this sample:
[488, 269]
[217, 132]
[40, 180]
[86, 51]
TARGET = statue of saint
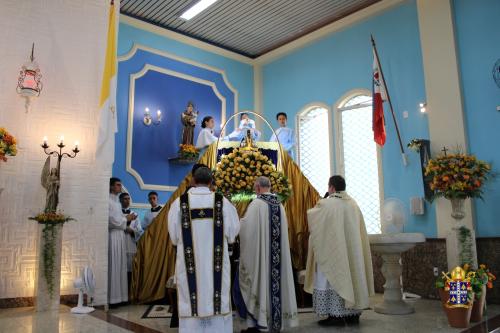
[247, 142]
[188, 119]
[51, 182]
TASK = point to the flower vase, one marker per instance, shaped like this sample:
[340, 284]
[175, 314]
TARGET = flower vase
[48, 278]
[457, 208]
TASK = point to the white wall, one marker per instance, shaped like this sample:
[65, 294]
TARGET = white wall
[70, 39]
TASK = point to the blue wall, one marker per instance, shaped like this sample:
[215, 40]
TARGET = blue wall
[327, 69]
[478, 39]
[152, 146]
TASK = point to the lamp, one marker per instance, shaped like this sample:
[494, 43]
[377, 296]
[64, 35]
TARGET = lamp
[28, 83]
[148, 119]
[423, 107]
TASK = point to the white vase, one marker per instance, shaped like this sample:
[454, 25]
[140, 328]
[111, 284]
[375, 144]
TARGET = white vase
[46, 301]
[457, 208]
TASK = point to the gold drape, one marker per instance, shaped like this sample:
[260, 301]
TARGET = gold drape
[154, 262]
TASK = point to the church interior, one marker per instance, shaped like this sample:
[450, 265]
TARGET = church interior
[399, 97]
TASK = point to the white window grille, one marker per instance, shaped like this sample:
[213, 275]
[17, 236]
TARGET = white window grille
[314, 146]
[359, 158]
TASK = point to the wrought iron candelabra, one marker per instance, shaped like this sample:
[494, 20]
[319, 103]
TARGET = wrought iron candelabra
[59, 154]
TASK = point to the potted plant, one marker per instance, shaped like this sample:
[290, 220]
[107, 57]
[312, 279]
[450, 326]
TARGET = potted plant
[7, 145]
[415, 145]
[457, 296]
[188, 153]
[481, 280]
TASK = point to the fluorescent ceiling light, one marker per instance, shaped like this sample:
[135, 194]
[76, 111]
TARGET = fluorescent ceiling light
[196, 9]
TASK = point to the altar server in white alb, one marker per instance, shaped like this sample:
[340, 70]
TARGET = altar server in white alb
[206, 136]
[285, 135]
[133, 230]
[339, 265]
[264, 291]
[153, 212]
[117, 250]
[201, 224]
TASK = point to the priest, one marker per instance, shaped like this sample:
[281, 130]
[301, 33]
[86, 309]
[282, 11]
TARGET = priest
[117, 250]
[339, 265]
[264, 288]
[201, 224]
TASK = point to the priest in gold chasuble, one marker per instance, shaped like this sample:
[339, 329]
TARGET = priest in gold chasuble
[201, 224]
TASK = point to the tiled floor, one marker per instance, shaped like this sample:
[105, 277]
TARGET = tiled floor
[428, 317]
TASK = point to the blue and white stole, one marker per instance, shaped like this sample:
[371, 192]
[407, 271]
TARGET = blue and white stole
[275, 260]
[187, 216]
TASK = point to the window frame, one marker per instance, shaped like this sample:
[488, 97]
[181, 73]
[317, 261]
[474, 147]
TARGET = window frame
[301, 113]
[339, 142]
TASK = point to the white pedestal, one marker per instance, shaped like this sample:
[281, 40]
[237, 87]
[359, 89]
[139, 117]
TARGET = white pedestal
[393, 303]
[44, 300]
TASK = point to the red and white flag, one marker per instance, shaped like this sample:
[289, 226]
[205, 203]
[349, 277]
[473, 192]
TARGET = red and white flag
[379, 96]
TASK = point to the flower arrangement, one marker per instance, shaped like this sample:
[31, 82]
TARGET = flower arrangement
[236, 173]
[50, 220]
[188, 151]
[457, 176]
[7, 145]
[415, 144]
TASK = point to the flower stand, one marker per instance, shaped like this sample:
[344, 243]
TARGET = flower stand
[48, 278]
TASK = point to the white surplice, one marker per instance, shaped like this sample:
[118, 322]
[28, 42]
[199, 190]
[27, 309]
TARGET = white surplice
[131, 241]
[205, 138]
[254, 275]
[117, 253]
[149, 217]
[203, 238]
[340, 251]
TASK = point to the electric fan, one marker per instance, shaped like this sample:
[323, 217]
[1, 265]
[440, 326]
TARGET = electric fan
[85, 284]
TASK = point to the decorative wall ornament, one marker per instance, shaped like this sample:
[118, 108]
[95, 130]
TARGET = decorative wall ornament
[29, 83]
[148, 119]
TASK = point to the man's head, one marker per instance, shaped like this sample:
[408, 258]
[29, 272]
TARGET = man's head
[125, 200]
[202, 177]
[281, 118]
[193, 170]
[244, 116]
[336, 184]
[262, 185]
[153, 198]
[115, 185]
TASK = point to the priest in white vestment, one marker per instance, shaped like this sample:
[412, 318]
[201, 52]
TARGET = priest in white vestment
[284, 135]
[265, 291]
[339, 265]
[206, 136]
[117, 250]
[153, 211]
[201, 224]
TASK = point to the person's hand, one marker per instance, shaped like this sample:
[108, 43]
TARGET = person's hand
[131, 217]
[129, 231]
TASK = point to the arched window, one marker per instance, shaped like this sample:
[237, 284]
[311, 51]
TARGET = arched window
[314, 145]
[358, 157]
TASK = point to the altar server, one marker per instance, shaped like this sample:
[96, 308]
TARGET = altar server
[284, 135]
[201, 224]
[117, 251]
[339, 264]
[206, 136]
[153, 212]
[133, 230]
[264, 291]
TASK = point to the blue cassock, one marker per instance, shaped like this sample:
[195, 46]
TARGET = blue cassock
[286, 137]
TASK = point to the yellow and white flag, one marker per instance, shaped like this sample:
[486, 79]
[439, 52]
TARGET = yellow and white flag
[105, 149]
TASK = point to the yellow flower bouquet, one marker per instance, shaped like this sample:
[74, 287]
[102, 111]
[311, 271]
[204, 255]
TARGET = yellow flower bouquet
[188, 152]
[236, 173]
[7, 145]
[457, 176]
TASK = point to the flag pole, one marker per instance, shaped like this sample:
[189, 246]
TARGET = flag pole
[403, 155]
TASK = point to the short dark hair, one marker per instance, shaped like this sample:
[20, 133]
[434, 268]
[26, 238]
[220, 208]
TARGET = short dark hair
[113, 181]
[338, 182]
[123, 195]
[281, 114]
[205, 120]
[203, 176]
[243, 114]
[152, 193]
[196, 167]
